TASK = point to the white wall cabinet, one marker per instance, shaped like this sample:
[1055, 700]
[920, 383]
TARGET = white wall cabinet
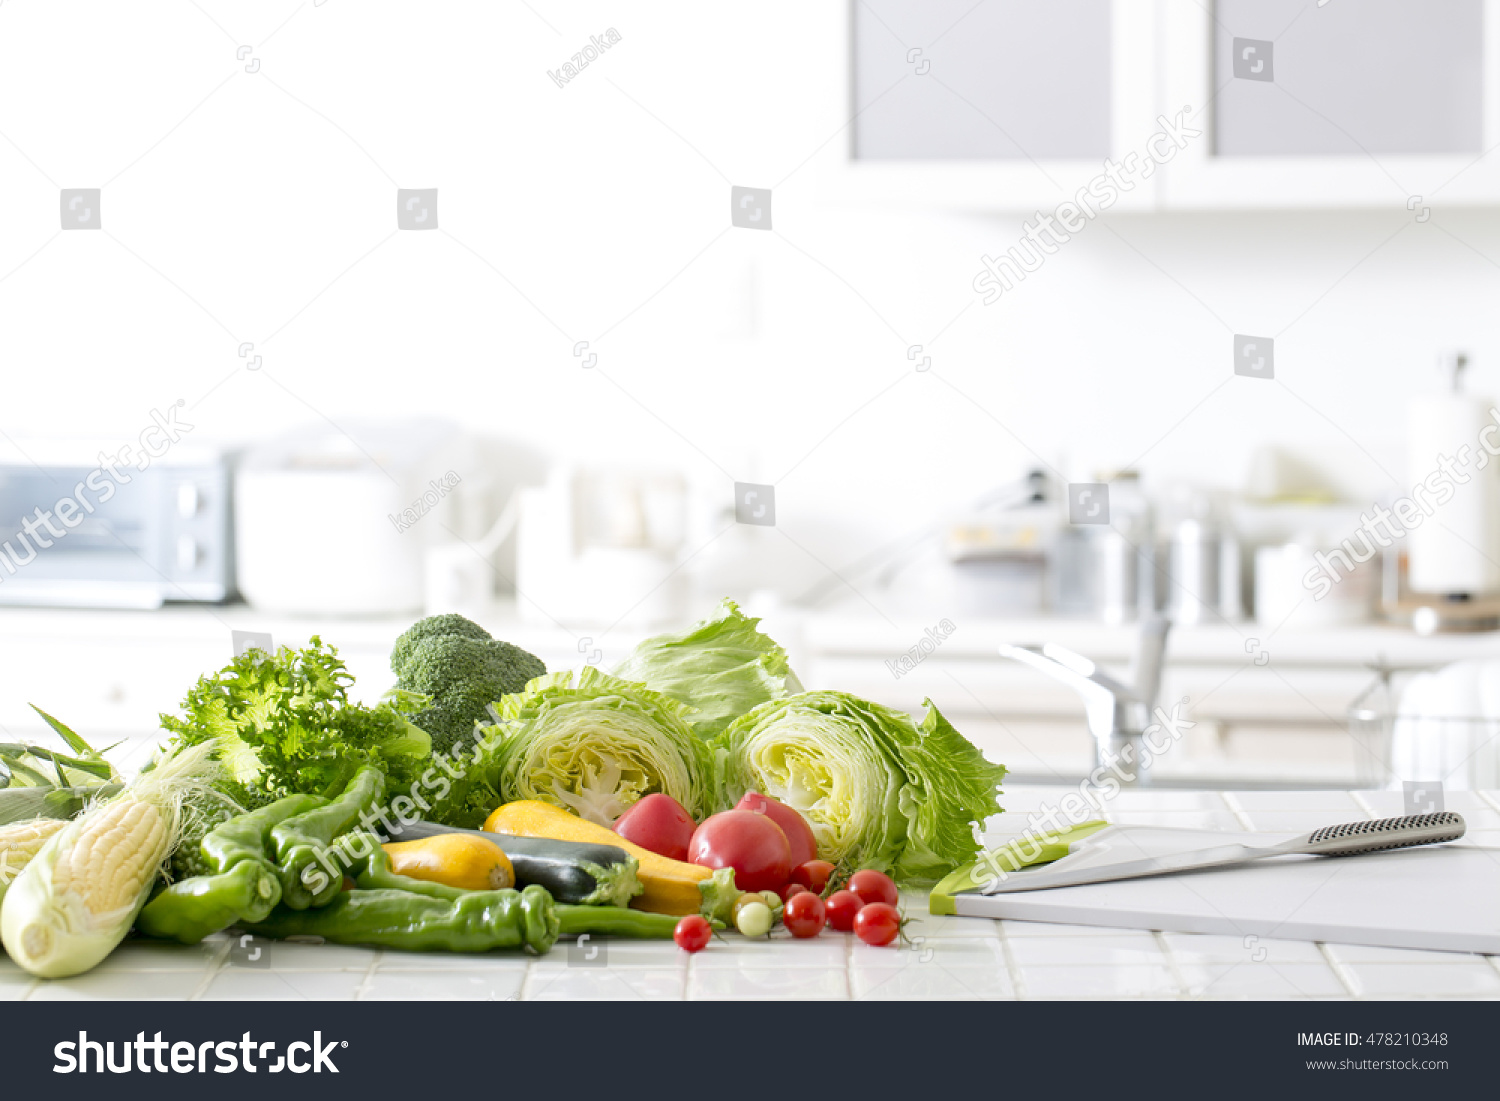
[1015, 106]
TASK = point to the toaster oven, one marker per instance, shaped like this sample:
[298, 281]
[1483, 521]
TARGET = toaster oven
[85, 526]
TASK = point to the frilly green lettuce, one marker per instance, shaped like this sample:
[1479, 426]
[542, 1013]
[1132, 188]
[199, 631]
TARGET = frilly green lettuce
[878, 789]
[721, 668]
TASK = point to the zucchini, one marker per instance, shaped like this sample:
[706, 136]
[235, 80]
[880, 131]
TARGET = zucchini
[672, 886]
[574, 872]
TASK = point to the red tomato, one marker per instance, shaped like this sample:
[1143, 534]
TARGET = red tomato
[804, 915]
[842, 906]
[693, 933]
[659, 824]
[799, 834]
[877, 924]
[752, 844]
[872, 886]
[791, 889]
[813, 875]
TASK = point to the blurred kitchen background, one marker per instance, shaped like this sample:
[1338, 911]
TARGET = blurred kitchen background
[406, 310]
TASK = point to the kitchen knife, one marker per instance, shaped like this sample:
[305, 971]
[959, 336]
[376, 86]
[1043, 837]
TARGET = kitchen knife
[1083, 864]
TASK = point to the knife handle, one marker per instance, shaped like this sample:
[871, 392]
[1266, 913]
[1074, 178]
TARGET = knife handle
[1384, 833]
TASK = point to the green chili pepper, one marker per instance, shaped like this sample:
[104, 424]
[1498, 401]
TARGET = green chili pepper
[248, 836]
[615, 921]
[194, 908]
[374, 873]
[478, 922]
[303, 842]
[245, 885]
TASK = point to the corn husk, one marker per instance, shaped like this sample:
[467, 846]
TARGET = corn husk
[76, 899]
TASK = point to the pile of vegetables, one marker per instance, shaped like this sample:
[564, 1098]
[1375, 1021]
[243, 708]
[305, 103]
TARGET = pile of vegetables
[707, 715]
[694, 788]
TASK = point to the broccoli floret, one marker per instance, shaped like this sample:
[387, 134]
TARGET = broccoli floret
[462, 675]
[201, 812]
[434, 626]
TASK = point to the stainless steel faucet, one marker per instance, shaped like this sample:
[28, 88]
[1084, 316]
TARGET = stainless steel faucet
[1117, 714]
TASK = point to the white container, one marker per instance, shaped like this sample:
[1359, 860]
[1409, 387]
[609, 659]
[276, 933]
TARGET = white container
[598, 549]
[1281, 597]
[322, 522]
[1457, 548]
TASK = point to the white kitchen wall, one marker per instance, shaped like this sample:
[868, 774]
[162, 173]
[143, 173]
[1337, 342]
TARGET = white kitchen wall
[259, 207]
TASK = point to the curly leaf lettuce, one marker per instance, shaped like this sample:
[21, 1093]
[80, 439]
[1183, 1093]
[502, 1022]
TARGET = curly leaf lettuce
[595, 744]
[721, 668]
[282, 723]
[879, 790]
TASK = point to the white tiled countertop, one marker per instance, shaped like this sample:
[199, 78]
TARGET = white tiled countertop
[949, 957]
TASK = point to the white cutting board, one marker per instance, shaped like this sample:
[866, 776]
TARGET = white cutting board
[1443, 897]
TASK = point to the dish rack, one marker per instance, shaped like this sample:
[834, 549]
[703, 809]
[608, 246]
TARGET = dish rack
[1392, 745]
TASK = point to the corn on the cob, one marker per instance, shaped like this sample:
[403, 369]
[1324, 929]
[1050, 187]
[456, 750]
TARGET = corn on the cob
[113, 852]
[19, 844]
[77, 898]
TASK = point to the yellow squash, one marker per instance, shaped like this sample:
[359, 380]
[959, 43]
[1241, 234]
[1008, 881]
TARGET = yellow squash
[672, 887]
[458, 860]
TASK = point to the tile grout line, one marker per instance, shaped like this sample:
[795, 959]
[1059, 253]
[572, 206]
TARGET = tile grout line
[1486, 797]
[526, 979]
[366, 983]
[1018, 984]
[1363, 804]
[216, 965]
[1172, 968]
[1340, 971]
[1239, 812]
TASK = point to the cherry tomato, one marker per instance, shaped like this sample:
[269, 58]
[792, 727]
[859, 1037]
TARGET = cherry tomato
[755, 919]
[799, 834]
[813, 875]
[877, 923]
[659, 824]
[791, 889]
[805, 915]
[693, 933]
[752, 844]
[842, 906]
[872, 886]
[745, 900]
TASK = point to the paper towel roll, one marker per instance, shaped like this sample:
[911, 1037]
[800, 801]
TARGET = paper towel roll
[1456, 549]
